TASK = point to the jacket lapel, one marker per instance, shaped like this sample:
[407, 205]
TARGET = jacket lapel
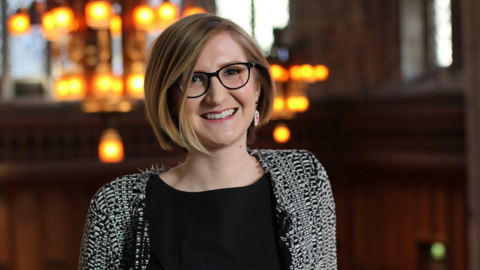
[283, 217]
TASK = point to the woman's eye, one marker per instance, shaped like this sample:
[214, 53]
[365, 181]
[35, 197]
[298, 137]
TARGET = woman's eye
[196, 79]
[231, 71]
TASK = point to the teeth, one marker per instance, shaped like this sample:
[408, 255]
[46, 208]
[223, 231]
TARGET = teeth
[222, 115]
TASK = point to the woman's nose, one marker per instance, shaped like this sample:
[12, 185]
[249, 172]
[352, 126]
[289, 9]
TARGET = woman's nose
[217, 93]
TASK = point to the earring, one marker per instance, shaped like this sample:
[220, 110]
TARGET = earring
[257, 116]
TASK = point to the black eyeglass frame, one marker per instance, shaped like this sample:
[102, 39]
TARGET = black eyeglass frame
[216, 74]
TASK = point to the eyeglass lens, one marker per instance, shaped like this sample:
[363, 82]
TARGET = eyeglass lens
[232, 77]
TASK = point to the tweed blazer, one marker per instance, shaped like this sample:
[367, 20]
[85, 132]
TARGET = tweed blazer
[116, 231]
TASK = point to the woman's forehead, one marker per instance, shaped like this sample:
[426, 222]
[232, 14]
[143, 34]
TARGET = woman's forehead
[221, 50]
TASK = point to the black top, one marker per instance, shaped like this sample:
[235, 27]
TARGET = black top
[231, 228]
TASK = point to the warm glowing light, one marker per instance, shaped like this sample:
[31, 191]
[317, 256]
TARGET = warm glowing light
[117, 86]
[110, 149]
[302, 104]
[298, 103]
[77, 86]
[278, 104]
[321, 72]
[102, 84]
[49, 29]
[61, 89]
[279, 73]
[19, 24]
[135, 85]
[64, 19]
[306, 72]
[70, 88]
[281, 133]
[48, 21]
[116, 26]
[193, 10]
[98, 14]
[292, 104]
[167, 13]
[143, 17]
[295, 73]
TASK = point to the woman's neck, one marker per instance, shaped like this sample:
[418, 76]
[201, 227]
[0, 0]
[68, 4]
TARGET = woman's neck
[227, 167]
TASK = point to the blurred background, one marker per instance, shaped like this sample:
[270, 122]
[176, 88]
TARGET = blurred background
[386, 94]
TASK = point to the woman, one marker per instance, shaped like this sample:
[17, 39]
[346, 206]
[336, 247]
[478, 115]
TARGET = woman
[207, 87]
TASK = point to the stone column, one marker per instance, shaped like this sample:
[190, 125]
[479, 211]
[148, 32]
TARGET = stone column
[471, 49]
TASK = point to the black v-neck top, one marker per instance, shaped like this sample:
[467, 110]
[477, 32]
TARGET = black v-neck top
[231, 228]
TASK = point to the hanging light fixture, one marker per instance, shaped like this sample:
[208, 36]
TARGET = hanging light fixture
[64, 19]
[321, 73]
[278, 104]
[70, 87]
[98, 14]
[281, 133]
[143, 18]
[167, 13]
[116, 26]
[279, 73]
[297, 103]
[291, 87]
[49, 31]
[306, 73]
[295, 73]
[19, 24]
[135, 81]
[110, 149]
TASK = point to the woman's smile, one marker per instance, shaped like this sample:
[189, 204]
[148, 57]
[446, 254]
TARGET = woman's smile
[219, 116]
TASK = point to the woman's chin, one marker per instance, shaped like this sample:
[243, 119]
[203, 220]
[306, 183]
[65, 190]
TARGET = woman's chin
[217, 143]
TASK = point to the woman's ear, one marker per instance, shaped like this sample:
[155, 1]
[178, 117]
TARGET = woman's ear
[258, 91]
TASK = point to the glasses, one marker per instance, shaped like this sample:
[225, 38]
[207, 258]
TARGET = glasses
[232, 77]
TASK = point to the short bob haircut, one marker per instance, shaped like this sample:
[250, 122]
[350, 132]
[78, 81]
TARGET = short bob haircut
[174, 54]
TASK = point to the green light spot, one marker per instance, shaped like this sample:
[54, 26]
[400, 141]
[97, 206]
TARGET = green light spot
[438, 251]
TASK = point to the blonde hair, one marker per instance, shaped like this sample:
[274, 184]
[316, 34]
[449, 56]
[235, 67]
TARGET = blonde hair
[174, 54]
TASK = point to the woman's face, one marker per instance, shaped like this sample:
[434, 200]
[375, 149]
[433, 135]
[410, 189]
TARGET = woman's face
[219, 102]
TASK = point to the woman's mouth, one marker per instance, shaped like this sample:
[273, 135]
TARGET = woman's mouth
[217, 116]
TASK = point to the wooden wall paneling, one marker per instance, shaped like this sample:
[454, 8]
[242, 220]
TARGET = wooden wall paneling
[409, 216]
[471, 59]
[373, 222]
[423, 212]
[344, 221]
[440, 210]
[57, 219]
[456, 248]
[5, 233]
[392, 231]
[28, 253]
[359, 212]
[81, 203]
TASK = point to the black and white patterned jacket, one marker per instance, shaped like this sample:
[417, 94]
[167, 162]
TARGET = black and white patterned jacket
[116, 232]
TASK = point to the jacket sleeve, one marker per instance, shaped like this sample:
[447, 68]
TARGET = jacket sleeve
[327, 217]
[95, 243]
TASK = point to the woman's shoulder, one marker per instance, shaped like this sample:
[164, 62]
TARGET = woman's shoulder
[125, 189]
[302, 161]
[288, 155]
[285, 153]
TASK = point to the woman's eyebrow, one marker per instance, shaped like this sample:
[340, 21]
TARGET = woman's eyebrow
[222, 65]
